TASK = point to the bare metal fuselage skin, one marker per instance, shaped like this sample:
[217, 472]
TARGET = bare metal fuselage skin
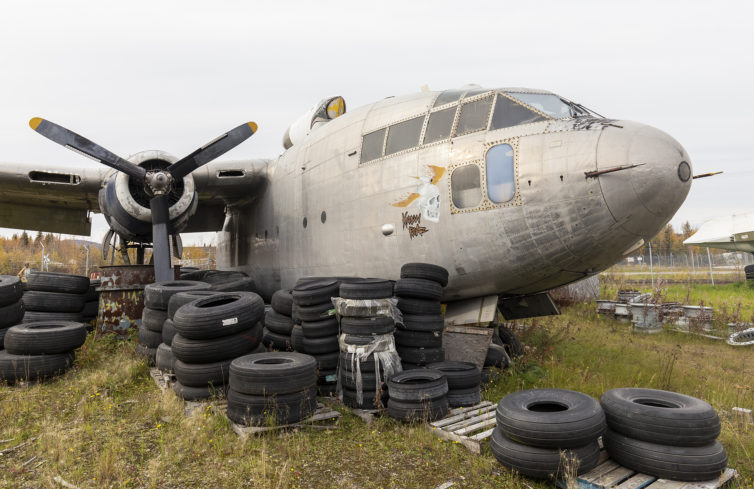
[324, 213]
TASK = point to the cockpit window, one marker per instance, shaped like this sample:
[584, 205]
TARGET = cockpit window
[439, 125]
[509, 113]
[474, 116]
[447, 97]
[546, 103]
[404, 135]
[371, 145]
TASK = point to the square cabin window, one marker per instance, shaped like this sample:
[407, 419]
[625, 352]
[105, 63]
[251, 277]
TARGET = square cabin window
[371, 145]
[404, 135]
[466, 187]
[439, 125]
[474, 116]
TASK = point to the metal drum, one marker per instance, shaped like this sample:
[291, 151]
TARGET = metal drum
[121, 299]
[699, 317]
[622, 312]
[646, 317]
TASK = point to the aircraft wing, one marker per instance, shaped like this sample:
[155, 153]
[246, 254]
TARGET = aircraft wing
[60, 199]
[735, 233]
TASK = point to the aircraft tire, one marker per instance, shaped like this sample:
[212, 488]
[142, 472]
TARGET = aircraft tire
[348, 362]
[316, 312]
[188, 393]
[282, 302]
[153, 319]
[418, 288]
[319, 329]
[273, 373]
[367, 326]
[425, 271]
[542, 463]
[366, 289]
[369, 398]
[418, 411]
[92, 294]
[315, 292]
[158, 294]
[680, 463]
[278, 323]
[182, 298]
[149, 338]
[11, 290]
[45, 338]
[496, 357]
[658, 416]
[418, 386]
[241, 284]
[32, 367]
[258, 410]
[319, 346]
[418, 339]
[90, 310]
[2, 336]
[423, 322]
[216, 349]
[464, 397]
[327, 361]
[460, 375]
[57, 282]
[421, 356]
[368, 380]
[11, 314]
[749, 271]
[297, 338]
[276, 341]
[550, 418]
[40, 301]
[168, 331]
[219, 315]
[202, 374]
[148, 354]
[511, 343]
[164, 358]
[412, 306]
[34, 316]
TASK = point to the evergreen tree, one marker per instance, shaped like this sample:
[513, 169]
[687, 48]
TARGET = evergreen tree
[25, 239]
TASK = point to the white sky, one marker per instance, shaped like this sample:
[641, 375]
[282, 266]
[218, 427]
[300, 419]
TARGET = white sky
[172, 75]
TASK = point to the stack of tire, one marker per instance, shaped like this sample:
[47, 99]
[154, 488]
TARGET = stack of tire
[272, 388]
[418, 395]
[548, 433]
[664, 434]
[11, 305]
[278, 323]
[313, 306]
[156, 299]
[39, 350]
[749, 271]
[505, 346]
[360, 379]
[91, 304]
[223, 280]
[464, 382]
[419, 337]
[211, 332]
[53, 296]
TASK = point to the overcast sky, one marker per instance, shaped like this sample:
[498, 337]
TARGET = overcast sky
[172, 75]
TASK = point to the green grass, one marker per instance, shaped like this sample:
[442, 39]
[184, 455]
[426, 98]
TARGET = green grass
[106, 424]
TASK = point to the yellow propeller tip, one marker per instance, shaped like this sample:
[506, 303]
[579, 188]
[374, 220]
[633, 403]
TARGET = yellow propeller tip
[253, 126]
[35, 122]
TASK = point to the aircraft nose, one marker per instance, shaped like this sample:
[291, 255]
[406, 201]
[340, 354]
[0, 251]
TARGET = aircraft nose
[644, 198]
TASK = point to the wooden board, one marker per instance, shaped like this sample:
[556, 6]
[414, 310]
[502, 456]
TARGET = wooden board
[469, 426]
[162, 379]
[318, 421]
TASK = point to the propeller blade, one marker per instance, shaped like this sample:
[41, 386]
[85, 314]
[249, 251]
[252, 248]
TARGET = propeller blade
[163, 271]
[83, 146]
[212, 150]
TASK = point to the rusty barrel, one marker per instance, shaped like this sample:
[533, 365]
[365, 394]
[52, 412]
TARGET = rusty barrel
[121, 299]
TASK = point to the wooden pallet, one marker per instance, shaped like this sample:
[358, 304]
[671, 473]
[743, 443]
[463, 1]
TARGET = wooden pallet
[315, 421]
[162, 379]
[469, 426]
[610, 475]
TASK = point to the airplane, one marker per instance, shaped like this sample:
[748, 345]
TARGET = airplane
[732, 233]
[514, 191]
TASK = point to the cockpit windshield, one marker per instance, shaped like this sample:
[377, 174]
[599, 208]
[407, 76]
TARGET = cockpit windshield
[547, 103]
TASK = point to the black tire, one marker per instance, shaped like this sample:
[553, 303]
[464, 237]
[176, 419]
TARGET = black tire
[543, 463]
[460, 375]
[219, 315]
[11, 289]
[2, 337]
[221, 276]
[92, 294]
[327, 361]
[52, 301]
[315, 292]
[164, 358]
[496, 357]
[168, 331]
[297, 338]
[90, 310]
[749, 271]
[149, 338]
[320, 329]
[418, 288]
[11, 314]
[409, 305]
[368, 380]
[319, 346]
[411, 366]
[216, 349]
[273, 373]
[365, 289]
[198, 393]
[424, 411]
[550, 418]
[158, 294]
[418, 339]
[317, 312]
[181, 298]
[148, 354]
[510, 341]
[699, 463]
[282, 302]
[257, 410]
[57, 282]
[417, 386]
[45, 338]
[421, 356]
[203, 374]
[358, 340]
[369, 399]
[425, 271]
[14, 368]
[278, 323]
[240, 284]
[348, 362]
[367, 326]
[153, 319]
[423, 322]
[275, 341]
[464, 397]
[663, 417]
[327, 378]
[34, 316]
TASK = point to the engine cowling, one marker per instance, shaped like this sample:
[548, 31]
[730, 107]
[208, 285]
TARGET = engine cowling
[125, 203]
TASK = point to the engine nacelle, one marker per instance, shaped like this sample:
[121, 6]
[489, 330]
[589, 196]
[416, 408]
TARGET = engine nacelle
[125, 203]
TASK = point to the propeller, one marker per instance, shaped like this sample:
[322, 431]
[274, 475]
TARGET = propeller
[158, 183]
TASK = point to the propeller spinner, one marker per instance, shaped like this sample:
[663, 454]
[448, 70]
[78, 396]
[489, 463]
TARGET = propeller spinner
[158, 183]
